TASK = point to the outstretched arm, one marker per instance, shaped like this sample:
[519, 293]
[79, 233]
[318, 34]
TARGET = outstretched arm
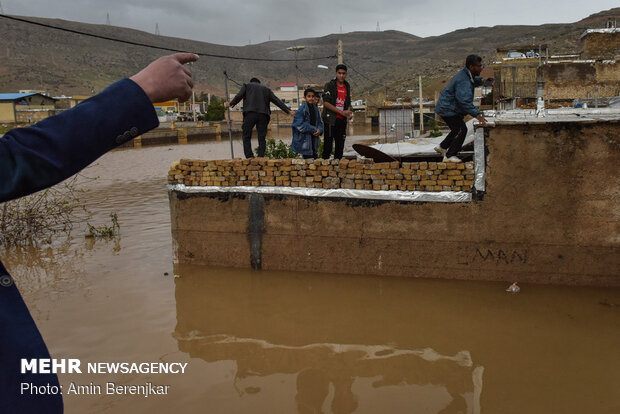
[239, 96]
[273, 98]
[52, 150]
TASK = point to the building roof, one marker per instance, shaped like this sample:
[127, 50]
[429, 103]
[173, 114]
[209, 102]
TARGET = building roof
[14, 96]
[609, 30]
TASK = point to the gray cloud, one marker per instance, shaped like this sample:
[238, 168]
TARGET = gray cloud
[255, 21]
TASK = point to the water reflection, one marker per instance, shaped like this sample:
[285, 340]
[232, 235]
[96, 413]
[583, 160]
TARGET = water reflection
[44, 268]
[304, 331]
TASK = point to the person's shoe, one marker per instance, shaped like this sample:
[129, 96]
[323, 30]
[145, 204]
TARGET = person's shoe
[453, 158]
[441, 150]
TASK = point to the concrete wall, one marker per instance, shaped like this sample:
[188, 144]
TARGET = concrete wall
[7, 112]
[550, 215]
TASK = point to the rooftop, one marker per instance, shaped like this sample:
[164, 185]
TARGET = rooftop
[14, 96]
[609, 30]
[529, 116]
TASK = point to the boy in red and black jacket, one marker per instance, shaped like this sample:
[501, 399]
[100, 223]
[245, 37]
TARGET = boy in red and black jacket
[336, 112]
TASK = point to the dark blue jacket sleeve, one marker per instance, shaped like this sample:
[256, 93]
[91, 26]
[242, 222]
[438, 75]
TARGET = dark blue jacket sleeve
[54, 149]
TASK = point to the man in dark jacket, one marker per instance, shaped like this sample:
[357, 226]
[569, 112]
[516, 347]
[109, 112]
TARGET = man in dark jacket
[44, 154]
[336, 112]
[456, 101]
[256, 111]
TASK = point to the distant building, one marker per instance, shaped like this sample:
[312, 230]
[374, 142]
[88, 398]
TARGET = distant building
[288, 94]
[592, 74]
[601, 44]
[25, 107]
[67, 102]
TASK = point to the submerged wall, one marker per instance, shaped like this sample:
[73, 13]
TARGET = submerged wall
[550, 214]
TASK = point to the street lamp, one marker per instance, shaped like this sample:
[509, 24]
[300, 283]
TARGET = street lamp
[296, 49]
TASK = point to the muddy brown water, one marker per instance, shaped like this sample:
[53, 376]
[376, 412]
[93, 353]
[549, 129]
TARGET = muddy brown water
[285, 342]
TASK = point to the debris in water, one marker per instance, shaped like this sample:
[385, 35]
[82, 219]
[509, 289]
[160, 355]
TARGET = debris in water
[513, 288]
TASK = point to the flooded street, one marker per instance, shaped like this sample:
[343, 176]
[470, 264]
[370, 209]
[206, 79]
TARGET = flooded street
[279, 342]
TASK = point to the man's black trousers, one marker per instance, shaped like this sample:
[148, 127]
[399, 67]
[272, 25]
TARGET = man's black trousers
[458, 130]
[261, 121]
[334, 134]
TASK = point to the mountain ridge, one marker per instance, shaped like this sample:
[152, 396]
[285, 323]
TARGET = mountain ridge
[36, 57]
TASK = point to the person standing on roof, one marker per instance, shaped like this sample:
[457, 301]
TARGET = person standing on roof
[307, 126]
[456, 101]
[336, 112]
[256, 111]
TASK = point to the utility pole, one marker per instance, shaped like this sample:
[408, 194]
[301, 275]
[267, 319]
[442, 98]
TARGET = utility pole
[421, 109]
[194, 104]
[296, 49]
[232, 153]
[339, 52]
[107, 19]
[156, 29]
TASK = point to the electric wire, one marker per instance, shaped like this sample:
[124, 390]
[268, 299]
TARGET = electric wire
[129, 42]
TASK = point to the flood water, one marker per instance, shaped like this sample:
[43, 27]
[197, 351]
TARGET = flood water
[286, 342]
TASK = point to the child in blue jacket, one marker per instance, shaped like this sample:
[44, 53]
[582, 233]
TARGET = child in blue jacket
[307, 127]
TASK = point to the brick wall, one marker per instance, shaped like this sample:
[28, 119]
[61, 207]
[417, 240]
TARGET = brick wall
[327, 174]
[601, 45]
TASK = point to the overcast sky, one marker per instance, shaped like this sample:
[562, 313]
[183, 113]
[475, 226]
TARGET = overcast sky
[242, 22]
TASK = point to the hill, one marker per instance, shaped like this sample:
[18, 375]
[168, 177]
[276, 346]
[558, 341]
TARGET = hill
[37, 57]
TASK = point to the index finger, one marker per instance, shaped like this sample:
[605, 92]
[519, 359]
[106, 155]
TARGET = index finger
[184, 58]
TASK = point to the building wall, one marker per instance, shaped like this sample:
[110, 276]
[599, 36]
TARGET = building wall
[549, 215]
[604, 46]
[34, 115]
[578, 79]
[7, 113]
[516, 80]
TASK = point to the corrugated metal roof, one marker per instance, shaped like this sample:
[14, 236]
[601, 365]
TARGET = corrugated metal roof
[14, 96]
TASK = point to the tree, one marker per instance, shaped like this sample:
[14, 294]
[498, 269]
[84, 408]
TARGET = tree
[215, 111]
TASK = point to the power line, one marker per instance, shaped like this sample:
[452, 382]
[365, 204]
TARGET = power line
[348, 63]
[307, 77]
[232, 80]
[129, 42]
